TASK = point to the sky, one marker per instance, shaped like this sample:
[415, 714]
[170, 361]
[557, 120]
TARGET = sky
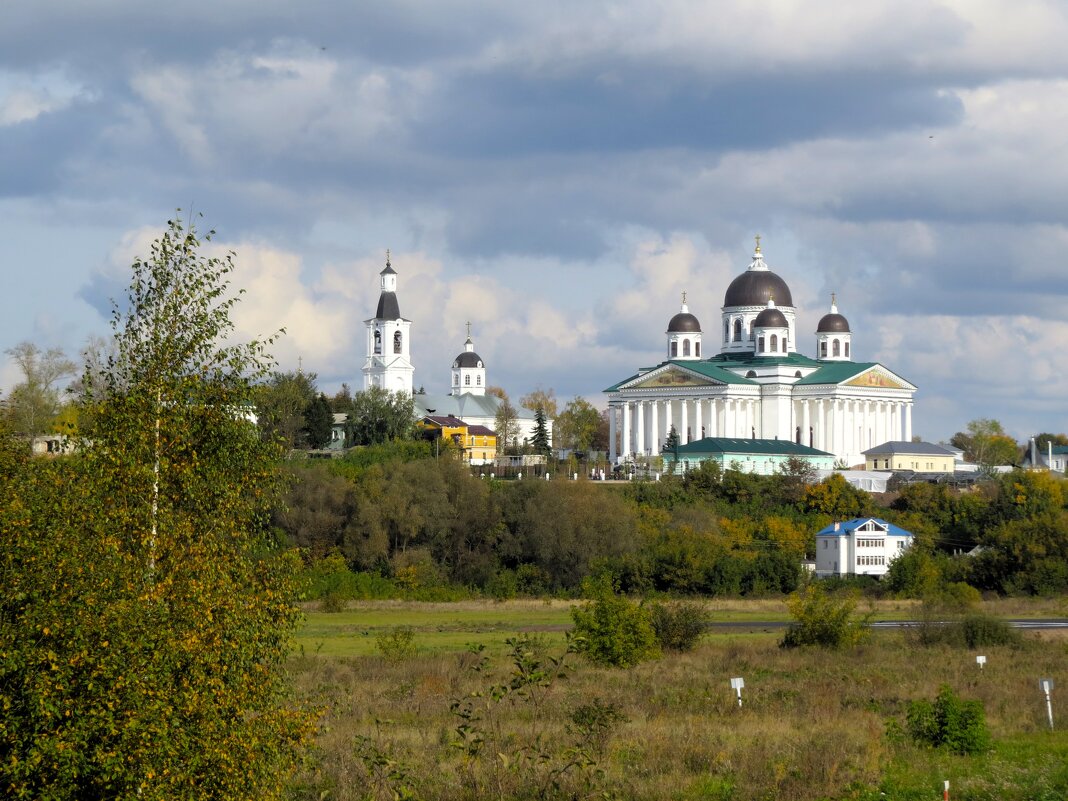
[558, 173]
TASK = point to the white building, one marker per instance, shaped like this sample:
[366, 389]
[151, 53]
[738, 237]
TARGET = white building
[389, 361]
[758, 385]
[864, 546]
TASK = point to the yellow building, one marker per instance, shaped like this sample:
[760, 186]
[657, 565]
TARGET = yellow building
[920, 457]
[476, 444]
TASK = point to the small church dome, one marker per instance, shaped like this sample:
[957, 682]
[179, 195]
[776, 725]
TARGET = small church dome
[684, 323]
[468, 359]
[833, 323]
[770, 318]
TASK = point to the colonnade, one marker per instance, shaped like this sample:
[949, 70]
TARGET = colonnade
[843, 426]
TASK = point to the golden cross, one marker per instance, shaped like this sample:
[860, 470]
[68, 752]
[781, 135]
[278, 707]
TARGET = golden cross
[758, 243]
[684, 297]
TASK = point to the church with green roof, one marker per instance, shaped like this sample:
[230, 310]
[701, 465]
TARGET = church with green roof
[758, 385]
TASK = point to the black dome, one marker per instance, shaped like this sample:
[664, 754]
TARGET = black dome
[468, 359]
[388, 308]
[833, 323]
[770, 318]
[756, 288]
[684, 322]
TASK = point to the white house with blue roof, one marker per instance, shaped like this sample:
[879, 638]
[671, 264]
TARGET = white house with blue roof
[864, 546]
[758, 385]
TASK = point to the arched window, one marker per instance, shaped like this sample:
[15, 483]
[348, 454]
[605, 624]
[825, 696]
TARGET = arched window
[737, 330]
[674, 348]
[760, 345]
[478, 380]
[797, 435]
[456, 380]
[726, 330]
[397, 342]
[836, 347]
[797, 374]
[697, 349]
[685, 347]
[823, 349]
[774, 342]
[784, 349]
[847, 350]
[378, 341]
[467, 380]
[750, 374]
[750, 330]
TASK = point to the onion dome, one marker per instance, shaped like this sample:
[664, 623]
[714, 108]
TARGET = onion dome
[770, 317]
[757, 285]
[684, 322]
[833, 323]
[468, 358]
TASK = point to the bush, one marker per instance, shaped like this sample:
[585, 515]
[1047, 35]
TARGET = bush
[679, 625]
[978, 630]
[397, 644]
[824, 620]
[611, 629]
[951, 723]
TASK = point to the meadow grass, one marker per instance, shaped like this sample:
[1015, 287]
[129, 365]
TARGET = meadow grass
[814, 724]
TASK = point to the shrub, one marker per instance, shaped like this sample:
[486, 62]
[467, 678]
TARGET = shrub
[951, 723]
[978, 630]
[679, 625]
[610, 629]
[396, 644]
[824, 620]
[594, 723]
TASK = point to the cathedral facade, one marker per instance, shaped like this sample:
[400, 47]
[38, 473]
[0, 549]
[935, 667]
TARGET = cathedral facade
[758, 385]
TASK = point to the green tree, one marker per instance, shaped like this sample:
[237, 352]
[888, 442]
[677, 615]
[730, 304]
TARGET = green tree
[318, 422]
[35, 401]
[539, 440]
[145, 617]
[671, 445]
[505, 421]
[543, 399]
[823, 619]
[577, 426]
[378, 415]
[282, 403]
[610, 629]
[985, 442]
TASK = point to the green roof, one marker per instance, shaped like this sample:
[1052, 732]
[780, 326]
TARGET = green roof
[836, 372]
[731, 445]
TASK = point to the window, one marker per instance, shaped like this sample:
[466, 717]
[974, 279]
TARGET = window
[674, 349]
[456, 380]
[737, 330]
[825, 545]
[837, 347]
[823, 349]
[847, 350]
[467, 380]
[697, 349]
[784, 344]
[726, 331]
[478, 380]
[750, 330]
[797, 435]
[760, 345]
[378, 341]
[685, 347]
[397, 342]
[774, 342]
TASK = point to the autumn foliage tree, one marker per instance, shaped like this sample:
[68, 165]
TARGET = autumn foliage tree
[145, 616]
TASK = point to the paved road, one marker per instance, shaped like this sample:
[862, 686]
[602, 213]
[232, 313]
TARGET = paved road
[1043, 623]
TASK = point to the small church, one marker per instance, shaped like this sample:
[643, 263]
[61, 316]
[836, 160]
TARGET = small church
[389, 366]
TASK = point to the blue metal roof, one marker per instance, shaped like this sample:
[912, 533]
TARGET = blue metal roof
[849, 526]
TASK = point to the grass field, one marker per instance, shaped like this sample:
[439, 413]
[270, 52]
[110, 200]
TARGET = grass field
[444, 627]
[446, 724]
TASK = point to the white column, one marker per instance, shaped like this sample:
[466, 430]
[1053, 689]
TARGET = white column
[908, 422]
[805, 424]
[839, 429]
[667, 418]
[639, 423]
[612, 454]
[684, 421]
[626, 430]
[713, 417]
[698, 419]
[654, 433]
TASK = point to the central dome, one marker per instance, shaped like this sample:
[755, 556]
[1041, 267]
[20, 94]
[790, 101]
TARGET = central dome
[756, 288]
[468, 359]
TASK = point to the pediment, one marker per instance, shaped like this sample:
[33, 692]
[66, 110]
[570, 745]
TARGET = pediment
[671, 377]
[876, 378]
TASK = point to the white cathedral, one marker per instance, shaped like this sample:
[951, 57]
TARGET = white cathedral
[759, 386]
